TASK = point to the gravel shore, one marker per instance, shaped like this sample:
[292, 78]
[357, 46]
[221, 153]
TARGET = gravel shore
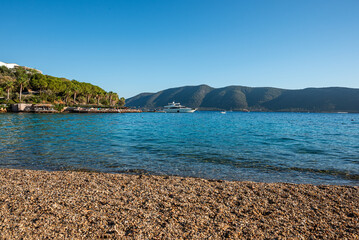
[83, 205]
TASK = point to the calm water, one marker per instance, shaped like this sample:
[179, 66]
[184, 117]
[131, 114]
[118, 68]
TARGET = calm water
[269, 147]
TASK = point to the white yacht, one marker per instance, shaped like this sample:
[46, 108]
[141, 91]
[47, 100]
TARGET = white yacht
[178, 108]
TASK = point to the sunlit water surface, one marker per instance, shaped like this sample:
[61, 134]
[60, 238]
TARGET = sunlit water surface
[267, 147]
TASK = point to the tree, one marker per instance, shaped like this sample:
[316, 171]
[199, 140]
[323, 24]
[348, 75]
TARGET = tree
[87, 91]
[1, 91]
[52, 88]
[75, 89]
[104, 101]
[22, 79]
[67, 93]
[8, 84]
[99, 95]
[39, 82]
[5, 71]
[122, 102]
[110, 93]
[115, 99]
[68, 90]
[57, 85]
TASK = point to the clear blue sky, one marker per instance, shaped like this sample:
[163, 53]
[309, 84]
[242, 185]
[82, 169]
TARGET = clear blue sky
[139, 46]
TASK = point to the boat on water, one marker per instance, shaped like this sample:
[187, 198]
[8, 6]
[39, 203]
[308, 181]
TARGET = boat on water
[177, 108]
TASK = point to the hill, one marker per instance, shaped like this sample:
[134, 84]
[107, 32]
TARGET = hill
[24, 84]
[237, 98]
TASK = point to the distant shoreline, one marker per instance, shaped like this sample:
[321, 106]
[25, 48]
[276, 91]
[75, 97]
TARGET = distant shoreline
[50, 108]
[326, 99]
[144, 111]
[41, 204]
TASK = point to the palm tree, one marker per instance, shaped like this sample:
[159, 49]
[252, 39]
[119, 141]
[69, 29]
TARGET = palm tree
[8, 85]
[75, 89]
[110, 97]
[87, 92]
[22, 80]
[99, 95]
[67, 93]
[122, 102]
[23, 83]
[115, 98]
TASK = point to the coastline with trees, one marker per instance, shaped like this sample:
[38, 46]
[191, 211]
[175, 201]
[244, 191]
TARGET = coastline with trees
[30, 86]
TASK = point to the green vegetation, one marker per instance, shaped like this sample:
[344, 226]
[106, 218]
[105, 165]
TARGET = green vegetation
[239, 98]
[28, 85]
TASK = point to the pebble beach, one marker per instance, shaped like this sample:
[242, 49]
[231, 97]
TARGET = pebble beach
[89, 205]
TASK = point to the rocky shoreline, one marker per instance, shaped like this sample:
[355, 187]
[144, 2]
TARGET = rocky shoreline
[83, 205]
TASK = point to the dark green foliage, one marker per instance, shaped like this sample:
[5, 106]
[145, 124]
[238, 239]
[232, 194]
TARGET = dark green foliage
[59, 107]
[121, 102]
[39, 82]
[6, 71]
[104, 101]
[4, 101]
[334, 99]
[225, 98]
[254, 99]
[191, 96]
[34, 99]
[34, 87]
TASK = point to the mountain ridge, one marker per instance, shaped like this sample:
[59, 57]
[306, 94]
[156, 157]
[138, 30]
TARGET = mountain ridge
[239, 98]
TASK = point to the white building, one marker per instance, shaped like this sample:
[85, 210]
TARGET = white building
[9, 65]
[14, 65]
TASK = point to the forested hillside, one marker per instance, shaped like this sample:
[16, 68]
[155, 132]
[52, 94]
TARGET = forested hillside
[334, 99]
[22, 84]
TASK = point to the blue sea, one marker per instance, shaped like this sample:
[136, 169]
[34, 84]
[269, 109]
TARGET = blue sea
[314, 148]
